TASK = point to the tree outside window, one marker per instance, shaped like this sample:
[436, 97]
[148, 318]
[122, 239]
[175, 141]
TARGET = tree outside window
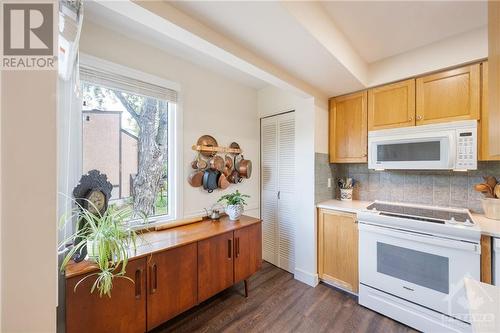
[125, 135]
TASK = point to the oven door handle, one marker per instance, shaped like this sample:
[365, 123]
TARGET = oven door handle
[416, 237]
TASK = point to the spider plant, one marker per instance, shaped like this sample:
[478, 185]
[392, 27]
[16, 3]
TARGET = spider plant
[111, 241]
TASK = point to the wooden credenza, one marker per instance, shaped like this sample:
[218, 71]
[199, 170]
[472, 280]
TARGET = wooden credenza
[173, 270]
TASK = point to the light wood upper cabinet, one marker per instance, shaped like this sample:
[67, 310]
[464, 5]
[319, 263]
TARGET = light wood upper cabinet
[338, 249]
[348, 128]
[484, 124]
[392, 105]
[449, 96]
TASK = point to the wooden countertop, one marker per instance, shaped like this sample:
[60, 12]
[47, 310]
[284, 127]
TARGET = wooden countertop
[156, 241]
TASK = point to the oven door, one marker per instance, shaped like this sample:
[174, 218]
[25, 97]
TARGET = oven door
[419, 268]
[412, 151]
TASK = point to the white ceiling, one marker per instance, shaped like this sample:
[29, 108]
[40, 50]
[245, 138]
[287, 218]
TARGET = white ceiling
[374, 30]
[103, 16]
[380, 29]
[267, 29]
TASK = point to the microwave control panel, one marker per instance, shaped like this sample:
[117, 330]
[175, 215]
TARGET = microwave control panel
[467, 149]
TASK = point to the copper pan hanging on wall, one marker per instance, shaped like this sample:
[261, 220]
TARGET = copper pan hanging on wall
[207, 141]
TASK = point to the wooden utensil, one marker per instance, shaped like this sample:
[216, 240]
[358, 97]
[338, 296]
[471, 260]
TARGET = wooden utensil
[491, 181]
[178, 223]
[485, 189]
[496, 191]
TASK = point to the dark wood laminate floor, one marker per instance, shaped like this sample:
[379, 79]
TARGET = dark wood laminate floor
[278, 303]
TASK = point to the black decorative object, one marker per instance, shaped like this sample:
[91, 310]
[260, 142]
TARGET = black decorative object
[93, 194]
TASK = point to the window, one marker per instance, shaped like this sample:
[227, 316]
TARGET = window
[126, 125]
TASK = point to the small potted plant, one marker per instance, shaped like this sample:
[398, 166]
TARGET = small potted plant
[109, 241]
[346, 186]
[234, 204]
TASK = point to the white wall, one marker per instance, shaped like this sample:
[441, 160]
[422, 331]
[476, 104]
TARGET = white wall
[29, 170]
[449, 52]
[271, 101]
[210, 104]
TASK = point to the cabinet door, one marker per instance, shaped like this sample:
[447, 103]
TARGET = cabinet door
[215, 265]
[449, 96]
[348, 128]
[484, 124]
[172, 283]
[338, 249]
[392, 105]
[125, 311]
[247, 251]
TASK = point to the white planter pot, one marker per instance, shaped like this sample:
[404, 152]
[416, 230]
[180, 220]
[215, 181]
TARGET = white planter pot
[346, 194]
[92, 250]
[234, 212]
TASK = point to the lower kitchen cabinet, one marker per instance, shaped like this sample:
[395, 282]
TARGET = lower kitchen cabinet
[172, 283]
[215, 265]
[247, 251]
[124, 312]
[338, 249]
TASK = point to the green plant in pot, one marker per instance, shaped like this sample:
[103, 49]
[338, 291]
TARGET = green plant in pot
[234, 204]
[109, 241]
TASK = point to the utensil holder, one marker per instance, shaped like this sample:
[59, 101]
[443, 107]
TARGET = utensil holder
[346, 194]
[491, 208]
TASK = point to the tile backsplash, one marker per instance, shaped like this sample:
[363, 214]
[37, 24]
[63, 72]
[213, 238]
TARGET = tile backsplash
[434, 187]
[322, 171]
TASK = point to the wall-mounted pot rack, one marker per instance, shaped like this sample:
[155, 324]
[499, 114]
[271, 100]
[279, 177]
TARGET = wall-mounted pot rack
[213, 171]
[218, 149]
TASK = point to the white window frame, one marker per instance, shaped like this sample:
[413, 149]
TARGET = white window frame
[175, 207]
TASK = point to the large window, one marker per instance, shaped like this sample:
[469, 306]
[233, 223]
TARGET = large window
[125, 134]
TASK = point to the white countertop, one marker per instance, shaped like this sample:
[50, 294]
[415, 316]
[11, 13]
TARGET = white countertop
[484, 306]
[488, 226]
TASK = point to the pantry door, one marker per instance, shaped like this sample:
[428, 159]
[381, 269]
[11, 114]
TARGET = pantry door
[277, 186]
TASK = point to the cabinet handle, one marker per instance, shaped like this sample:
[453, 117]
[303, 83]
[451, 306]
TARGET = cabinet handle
[153, 278]
[138, 283]
[237, 246]
[419, 117]
[410, 119]
[229, 248]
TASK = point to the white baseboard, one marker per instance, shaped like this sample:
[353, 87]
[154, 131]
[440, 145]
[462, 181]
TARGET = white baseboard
[306, 277]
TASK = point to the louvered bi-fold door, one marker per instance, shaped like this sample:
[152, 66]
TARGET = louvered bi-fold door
[278, 172]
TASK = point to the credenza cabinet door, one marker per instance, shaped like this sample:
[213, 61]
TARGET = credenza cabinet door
[215, 265]
[348, 128]
[124, 312]
[392, 105]
[449, 96]
[172, 283]
[247, 251]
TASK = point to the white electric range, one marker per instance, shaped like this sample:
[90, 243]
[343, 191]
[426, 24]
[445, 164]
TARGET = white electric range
[412, 263]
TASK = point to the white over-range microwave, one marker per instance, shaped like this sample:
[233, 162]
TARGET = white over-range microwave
[446, 146]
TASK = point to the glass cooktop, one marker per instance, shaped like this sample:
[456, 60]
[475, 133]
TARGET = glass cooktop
[424, 214]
